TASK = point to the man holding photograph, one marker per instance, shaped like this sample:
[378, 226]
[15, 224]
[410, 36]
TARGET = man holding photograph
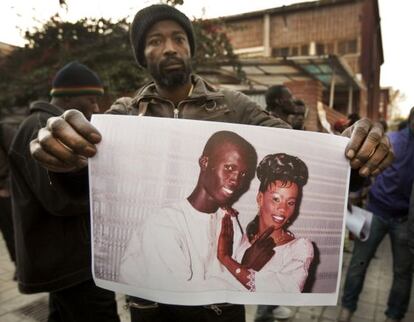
[163, 42]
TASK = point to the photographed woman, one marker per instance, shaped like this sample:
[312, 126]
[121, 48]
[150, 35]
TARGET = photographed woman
[281, 261]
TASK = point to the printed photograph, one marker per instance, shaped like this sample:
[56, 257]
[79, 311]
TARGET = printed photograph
[206, 212]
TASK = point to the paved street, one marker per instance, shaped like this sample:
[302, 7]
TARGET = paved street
[33, 308]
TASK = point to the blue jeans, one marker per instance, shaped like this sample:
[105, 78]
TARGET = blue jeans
[399, 295]
[264, 313]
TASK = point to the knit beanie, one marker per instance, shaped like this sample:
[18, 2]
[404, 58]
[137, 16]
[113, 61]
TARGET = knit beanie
[147, 17]
[75, 79]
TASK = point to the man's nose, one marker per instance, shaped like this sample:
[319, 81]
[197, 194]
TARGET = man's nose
[169, 47]
[236, 177]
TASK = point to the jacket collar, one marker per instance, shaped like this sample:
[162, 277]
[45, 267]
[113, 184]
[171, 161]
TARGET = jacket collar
[202, 90]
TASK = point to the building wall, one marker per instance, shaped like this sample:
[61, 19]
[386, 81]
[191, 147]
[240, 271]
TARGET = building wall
[371, 59]
[331, 28]
[246, 33]
[348, 29]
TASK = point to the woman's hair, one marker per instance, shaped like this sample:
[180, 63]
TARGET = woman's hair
[285, 168]
[282, 167]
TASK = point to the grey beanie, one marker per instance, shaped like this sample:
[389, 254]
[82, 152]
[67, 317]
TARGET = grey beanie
[147, 17]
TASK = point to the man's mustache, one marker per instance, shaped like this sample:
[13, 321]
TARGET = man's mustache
[171, 61]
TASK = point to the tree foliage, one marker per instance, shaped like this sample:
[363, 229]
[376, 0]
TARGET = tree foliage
[102, 45]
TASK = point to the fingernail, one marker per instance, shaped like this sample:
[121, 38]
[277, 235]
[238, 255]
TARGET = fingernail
[355, 163]
[90, 151]
[350, 154]
[82, 162]
[94, 137]
[364, 172]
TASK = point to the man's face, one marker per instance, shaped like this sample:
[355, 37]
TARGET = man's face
[225, 174]
[167, 54]
[295, 116]
[285, 108]
[285, 99]
[87, 104]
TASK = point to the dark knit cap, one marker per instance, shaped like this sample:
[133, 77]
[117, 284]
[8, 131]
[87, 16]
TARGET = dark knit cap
[147, 17]
[75, 79]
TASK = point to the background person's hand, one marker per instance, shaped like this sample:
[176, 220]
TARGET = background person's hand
[369, 149]
[65, 143]
[261, 251]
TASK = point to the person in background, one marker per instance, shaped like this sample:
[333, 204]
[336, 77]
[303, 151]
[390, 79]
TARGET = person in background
[340, 125]
[52, 226]
[8, 128]
[388, 200]
[353, 118]
[280, 103]
[163, 42]
[402, 124]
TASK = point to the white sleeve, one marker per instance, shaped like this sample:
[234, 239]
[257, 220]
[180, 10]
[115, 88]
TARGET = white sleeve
[286, 272]
[163, 259]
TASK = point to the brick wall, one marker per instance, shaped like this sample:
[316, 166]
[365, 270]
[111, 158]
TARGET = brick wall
[246, 33]
[328, 25]
[320, 24]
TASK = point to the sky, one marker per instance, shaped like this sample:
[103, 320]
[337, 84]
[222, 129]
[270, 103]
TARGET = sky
[17, 16]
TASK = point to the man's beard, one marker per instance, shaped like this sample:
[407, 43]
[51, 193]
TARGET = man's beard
[171, 79]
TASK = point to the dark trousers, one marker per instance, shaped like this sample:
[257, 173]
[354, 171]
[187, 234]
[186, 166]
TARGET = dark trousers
[84, 302]
[6, 226]
[146, 311]
[399, 295]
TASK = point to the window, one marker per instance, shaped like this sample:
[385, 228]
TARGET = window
[347, 47]
[320, 49]
[329, 48]
[304, 50]
[280, 52]
[352, 46]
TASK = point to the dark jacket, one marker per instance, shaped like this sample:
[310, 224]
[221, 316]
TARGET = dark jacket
[205, 103]
[51, 226]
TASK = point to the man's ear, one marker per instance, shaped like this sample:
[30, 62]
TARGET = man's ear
[203, 162]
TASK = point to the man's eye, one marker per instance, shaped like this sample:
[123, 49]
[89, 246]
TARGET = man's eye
[229, 167]
[154, 42]
[179, 39]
